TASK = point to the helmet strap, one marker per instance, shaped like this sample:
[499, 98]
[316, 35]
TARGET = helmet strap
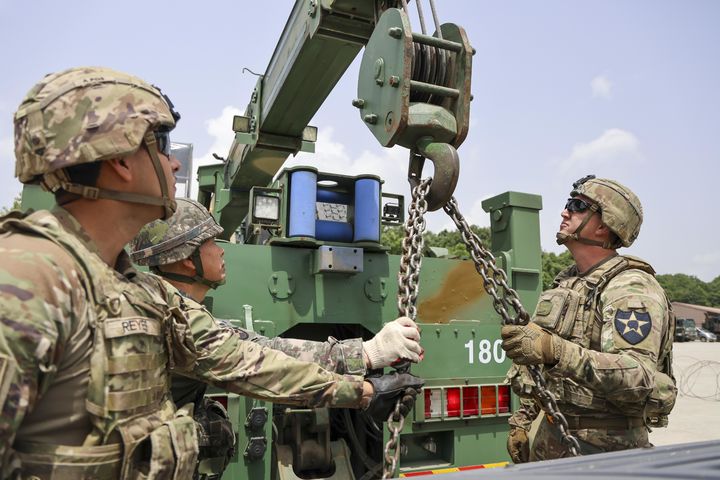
[197, 278]
[563, 238]
[59, 179]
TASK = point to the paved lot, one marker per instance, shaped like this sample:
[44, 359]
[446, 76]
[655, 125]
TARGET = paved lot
[696, 367]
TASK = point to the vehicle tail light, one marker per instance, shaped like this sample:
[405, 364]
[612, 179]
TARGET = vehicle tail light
[433, 403]
[222, 399]
[488, 400]
[503, 398]
[467, 401]
[470, 401]
[452, 396]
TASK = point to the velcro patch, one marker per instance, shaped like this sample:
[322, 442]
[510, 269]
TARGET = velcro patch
[121, 327]
[633, 326]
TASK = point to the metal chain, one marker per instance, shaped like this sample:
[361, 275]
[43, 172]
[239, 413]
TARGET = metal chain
[392, 447]
[412, 250]
[413, 245]
[504, 298]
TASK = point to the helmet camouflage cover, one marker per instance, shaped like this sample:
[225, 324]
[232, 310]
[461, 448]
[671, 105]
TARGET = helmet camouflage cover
[83, 115]
[620, 208]
[168, 241]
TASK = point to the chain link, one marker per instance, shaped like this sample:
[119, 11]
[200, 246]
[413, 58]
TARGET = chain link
[412, 251]
[505, 299]
[395, 424]
[413, 245]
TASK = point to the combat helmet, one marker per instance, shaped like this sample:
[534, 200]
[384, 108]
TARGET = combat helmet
[620, 209]
[163, 242]
[91, 114]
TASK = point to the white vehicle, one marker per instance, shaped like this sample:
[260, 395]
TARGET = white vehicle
[705, 336]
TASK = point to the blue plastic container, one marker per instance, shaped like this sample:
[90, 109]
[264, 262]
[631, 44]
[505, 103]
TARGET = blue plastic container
[303, 194]
[367, 210]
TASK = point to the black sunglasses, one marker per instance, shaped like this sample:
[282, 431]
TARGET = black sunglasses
[163, 141]
[576, 205]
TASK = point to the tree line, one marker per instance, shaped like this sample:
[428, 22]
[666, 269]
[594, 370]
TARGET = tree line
[679, 287]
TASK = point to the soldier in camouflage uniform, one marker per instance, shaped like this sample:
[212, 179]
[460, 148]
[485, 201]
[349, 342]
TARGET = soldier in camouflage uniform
[182, 250]
[86, 341]
[603, 334]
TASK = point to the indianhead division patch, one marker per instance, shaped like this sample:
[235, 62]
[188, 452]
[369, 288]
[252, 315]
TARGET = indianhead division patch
[633, 326]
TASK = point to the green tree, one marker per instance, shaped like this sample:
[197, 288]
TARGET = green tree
[392, 237]
[680, 287]
[15, 205]
[552, 264]
[451, 239]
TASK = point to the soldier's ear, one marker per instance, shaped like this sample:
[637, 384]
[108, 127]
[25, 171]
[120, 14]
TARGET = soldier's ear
[188, 264]
[118, 167]
[603, 231]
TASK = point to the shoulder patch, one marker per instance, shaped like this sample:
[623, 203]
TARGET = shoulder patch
[633, 326]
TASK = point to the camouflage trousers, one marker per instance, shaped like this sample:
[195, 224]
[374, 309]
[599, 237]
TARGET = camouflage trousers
[548, 443]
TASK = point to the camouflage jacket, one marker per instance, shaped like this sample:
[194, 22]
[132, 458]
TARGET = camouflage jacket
[85, 350]
[617, 360]
[342, 357]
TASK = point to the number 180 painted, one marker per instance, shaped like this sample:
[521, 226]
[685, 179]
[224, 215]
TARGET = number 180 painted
[487, 351]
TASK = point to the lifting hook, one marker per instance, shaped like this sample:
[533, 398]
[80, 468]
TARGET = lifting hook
[447, 169]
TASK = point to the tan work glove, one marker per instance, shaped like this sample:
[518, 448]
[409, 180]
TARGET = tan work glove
[518, 445]
[398, 340]
[531, 345]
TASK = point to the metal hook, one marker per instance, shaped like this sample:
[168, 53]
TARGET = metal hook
[447, 170]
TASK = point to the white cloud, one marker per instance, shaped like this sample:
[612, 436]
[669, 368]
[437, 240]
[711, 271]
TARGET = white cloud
[220, 129]
[613, 146]
[330, 156]
[601, 86]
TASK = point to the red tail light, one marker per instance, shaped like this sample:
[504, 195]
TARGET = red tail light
[503, 398]
[452, 396]
[222, 399]
[488, 401]
[428, 403]
[470, 401]
[467, 401]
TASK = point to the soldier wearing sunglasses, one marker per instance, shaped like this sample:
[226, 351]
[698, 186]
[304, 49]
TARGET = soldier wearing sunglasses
[603, 334]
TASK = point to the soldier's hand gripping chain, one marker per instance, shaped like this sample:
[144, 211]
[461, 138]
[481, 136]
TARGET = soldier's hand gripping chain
[387, 390]
[396, 341]
[518, 445]
[531, 345]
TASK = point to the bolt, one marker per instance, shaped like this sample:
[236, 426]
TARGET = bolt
[395, 32]
[370, 118]
[358, 103]
[473, 50]
[472, 97]
[394, 81]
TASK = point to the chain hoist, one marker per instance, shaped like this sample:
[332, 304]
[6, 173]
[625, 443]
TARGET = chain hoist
[505, 298]
[413, 245]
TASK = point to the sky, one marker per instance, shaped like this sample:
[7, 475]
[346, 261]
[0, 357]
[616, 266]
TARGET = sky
[562, 88]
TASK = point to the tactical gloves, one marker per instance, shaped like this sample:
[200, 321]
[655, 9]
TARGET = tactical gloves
[396, 341]
[518, 445]
[531, 345]
[387, 390]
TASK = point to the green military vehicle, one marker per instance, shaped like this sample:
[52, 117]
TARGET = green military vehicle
[306, 258]
[685, 330]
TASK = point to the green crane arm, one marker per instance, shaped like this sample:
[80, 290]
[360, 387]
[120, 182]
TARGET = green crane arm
[319, 42]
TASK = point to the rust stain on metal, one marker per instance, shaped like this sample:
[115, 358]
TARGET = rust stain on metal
[461, 287]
